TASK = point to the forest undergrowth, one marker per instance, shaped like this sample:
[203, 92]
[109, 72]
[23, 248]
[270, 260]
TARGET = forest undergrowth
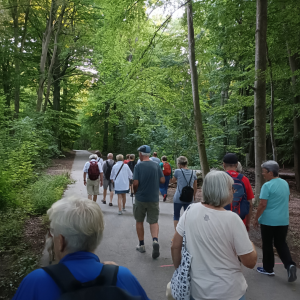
[22, 228]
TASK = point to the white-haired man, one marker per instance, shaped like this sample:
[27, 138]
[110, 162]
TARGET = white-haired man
[107, 183]
[273, 216]
[77, 228]
[146, 179]
[92, 176]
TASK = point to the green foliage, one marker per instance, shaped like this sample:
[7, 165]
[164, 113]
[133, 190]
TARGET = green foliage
[43, 193]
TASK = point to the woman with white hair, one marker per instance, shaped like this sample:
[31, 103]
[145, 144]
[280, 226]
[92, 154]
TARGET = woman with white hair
[77, 226]
[121, 176]
[218, 242]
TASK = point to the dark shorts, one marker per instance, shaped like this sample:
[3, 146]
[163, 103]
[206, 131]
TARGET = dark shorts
[141, 209]
[121, 192]
[108, 184]
[177, 209]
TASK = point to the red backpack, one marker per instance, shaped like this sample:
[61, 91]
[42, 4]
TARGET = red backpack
[93, 170]
[167, 169]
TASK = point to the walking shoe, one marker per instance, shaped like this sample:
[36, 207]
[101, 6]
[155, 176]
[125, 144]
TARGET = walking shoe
[123, 209]
[165, 197]
[141, 248]
[155, 251]
[103, 201]
[292, 273]
[263, 271]
[120, 212]
[110, 204]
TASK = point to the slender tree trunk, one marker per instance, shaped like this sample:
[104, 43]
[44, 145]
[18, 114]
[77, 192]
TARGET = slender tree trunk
[272, 135]
[105, 130]
[54, 57]
[260, 92]
[295, 66]
[45, 46]
[6, 82]
[194, 79]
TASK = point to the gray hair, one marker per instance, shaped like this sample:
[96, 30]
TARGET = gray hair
[132, 156]
[119, 157]
[182, 160]
[93, 156]
[216, 188]
[80, 221]
[145, 154]
[271, 166]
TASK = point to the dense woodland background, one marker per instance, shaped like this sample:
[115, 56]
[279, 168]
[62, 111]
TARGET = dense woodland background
[113, 75]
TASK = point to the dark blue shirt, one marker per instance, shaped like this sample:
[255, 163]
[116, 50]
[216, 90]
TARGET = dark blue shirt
[85, 266]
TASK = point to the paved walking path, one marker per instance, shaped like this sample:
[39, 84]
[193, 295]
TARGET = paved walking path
[120, 240]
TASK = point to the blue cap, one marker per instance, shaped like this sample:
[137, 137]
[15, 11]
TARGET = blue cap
[144, 149]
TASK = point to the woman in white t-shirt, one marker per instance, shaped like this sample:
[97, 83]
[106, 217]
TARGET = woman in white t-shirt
[217, 239]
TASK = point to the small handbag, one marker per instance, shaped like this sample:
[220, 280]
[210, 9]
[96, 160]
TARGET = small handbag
[181, 279]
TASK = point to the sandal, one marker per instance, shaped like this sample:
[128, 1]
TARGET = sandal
[110, 204]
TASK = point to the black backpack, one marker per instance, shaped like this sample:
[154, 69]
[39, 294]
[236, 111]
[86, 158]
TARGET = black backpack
[108, 170]
[103, 287]
[187, 193]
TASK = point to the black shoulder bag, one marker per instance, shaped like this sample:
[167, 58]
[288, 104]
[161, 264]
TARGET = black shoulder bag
[187, 193]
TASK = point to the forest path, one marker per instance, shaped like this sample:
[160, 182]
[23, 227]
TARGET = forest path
[120, 239]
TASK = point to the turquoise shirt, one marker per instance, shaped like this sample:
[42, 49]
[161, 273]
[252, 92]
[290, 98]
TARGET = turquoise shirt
[277, 192]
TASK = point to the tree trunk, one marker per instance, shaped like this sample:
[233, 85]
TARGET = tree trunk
[45, 46]
[272, 135]
[294, 65]
[260, 92]
[105, 130]
[54, 57]
[6, 82]
[194, 80]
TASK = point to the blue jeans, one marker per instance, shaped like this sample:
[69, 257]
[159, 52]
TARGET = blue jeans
[177, 209]
[243, 298]
[163, 187]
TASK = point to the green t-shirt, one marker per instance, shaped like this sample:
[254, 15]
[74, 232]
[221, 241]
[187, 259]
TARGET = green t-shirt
[277, 192]
[148, 173]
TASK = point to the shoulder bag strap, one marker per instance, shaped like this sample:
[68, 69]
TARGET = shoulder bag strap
[191, 177]
[110, 273]
[119, 171]
[184, 176]
[63, 277]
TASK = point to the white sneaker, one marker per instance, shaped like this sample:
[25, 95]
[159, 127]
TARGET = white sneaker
[123, 209]
[141, 248]
[120, 212]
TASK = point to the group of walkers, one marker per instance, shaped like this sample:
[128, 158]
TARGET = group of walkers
[210, 244]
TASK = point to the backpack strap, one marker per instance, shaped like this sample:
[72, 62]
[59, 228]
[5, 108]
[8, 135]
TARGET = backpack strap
[240, 176]
[63, 277]
[110, 272]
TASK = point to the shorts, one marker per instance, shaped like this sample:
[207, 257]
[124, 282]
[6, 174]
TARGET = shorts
[140, 209]
[122, 192]
[177, 209]
[108, 183]
[92, 186]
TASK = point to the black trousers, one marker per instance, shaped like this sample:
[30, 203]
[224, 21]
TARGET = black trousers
[278, 235]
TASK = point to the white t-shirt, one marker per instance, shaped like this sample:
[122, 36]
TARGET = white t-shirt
[214, 239]
[122, 181]
[87, 166]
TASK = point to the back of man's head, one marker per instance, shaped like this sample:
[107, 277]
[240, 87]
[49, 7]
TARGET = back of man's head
[230, 161]
[110, 156]
[144, 150]
[155, 154]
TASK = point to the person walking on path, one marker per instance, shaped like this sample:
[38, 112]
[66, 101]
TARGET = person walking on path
[131, 165]
[183, 176]
[99, 159]
[216, 239]
[155, 158]
[230, 165]
[107, 167]
[167, 171]
[273, 217]
[127, 160]
[146, 179]
[92, 177]
[121, 176]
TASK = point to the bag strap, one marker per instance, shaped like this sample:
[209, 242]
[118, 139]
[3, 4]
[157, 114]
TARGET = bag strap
[240, 176]
[119, 171]
[184, 177]
[63, 277]
[110, 273]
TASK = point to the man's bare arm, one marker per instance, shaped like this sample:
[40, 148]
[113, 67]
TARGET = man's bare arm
[162, 179]
[84, 178]
[135, 185]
